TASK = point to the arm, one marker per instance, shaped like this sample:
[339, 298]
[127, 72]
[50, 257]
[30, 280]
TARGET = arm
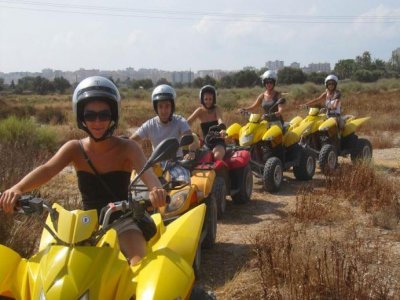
[38, 176]
[219, 115]
[156, 192]
[316, 100]
[194, 116]
[256, 104]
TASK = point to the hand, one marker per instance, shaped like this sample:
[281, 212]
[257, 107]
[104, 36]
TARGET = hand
[157, 197]
[277, 114]
[190, 155]
[223, 133]
[8, 199]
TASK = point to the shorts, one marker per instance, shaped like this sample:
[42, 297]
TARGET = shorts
[213, 140]
[126, 225]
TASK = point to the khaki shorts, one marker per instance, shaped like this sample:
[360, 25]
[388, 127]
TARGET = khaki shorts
[125, 225]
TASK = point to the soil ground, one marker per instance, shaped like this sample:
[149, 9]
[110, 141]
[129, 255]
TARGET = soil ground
[230, 258]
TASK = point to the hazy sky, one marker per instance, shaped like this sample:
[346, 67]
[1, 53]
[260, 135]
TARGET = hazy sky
[196, 35]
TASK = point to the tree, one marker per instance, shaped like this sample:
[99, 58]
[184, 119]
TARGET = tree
[317, 78]
[345, 68]
[198, 82]
[61, 84]
[42, 85]
[162, 81]
[1, 84]
[364, 61]
[364, 75]
[226, 82]
[245, 78]
[289, 75]
[142, 83]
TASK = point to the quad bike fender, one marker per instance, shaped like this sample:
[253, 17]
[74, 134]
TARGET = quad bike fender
[295, 122]
[352, 125]
[182, 235]
[274, 135]
[12, 277]
[73, 226]
[63, 272]
[203, 180]
[293, 136]
[163, 274]
[239, 159]
[233, 131]
[329, 126]
[252, 133]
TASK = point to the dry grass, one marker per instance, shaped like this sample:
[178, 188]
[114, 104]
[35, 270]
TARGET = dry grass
[330, 246]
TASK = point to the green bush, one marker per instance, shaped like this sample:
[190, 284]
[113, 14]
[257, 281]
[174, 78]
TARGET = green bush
[24, 133]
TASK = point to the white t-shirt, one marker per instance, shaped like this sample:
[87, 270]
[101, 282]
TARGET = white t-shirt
[156, 131]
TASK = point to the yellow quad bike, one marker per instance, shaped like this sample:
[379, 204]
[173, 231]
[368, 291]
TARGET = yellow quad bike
[274, 149]
[186, 195]
[329, 142]
[78, 259]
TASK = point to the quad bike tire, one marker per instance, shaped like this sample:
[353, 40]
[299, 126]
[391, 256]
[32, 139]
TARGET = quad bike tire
[272, 175]
[200, 294]
[219, 192]
[210, 223]
[305, 169]
[197, 263]
[328, 159]
[362, 151]
[246, 187]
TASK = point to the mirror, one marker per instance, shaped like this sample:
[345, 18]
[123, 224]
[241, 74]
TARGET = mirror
[186, 140]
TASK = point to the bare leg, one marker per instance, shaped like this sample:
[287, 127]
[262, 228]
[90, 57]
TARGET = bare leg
[219, 152]
[133, 245]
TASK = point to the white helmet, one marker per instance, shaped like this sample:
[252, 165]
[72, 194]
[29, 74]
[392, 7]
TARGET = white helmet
[161, 93]
[331, 78]
[96, 88]
[269, 75]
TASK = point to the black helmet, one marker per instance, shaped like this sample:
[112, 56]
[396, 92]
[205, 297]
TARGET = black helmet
[208, 89]
[96, 88]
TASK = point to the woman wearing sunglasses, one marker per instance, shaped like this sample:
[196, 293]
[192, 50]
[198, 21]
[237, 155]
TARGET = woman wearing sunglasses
[103, 162]
[267, 100]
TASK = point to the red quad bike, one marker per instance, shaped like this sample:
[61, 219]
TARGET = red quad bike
[233, 174]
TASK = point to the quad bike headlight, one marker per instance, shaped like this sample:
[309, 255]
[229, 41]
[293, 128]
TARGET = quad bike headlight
[246, 139]
[177, 201]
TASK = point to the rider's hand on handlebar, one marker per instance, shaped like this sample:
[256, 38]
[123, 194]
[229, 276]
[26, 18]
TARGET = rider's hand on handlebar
[8, 199]
[157, 197]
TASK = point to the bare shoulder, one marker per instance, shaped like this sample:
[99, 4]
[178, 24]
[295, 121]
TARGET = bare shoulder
[128, 144]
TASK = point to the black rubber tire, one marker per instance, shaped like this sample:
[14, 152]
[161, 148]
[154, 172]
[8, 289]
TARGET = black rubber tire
[246, 187]
[328, 159]
[362, 151]
[219, 192]
[305, 170]
[197, 263]
[272, 175]
[210, 223]
[200, 294]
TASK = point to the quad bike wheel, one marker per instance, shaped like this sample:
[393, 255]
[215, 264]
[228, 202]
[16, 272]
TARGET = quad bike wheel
[328, 159]
[219, 192]
[362, 151]
[273, 174]
[246, 187]
[197, 263]
[305, 170]
[210, 223]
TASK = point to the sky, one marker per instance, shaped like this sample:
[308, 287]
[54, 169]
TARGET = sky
[191, 35]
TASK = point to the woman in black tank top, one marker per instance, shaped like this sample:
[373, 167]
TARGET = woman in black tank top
[103, 162]
[210, 115]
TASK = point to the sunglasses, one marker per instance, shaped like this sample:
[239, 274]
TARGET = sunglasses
[91, 116]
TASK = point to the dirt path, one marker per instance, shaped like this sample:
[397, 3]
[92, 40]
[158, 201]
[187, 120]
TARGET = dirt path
[222, 264]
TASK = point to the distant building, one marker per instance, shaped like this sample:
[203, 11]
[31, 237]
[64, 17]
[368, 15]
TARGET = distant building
[318, 68]
[216, 74]
[182, 77]
[275, 65]
[295, 65]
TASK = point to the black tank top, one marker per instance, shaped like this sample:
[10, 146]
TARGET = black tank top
[267, 104]
[95, 196]
[205, 127]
